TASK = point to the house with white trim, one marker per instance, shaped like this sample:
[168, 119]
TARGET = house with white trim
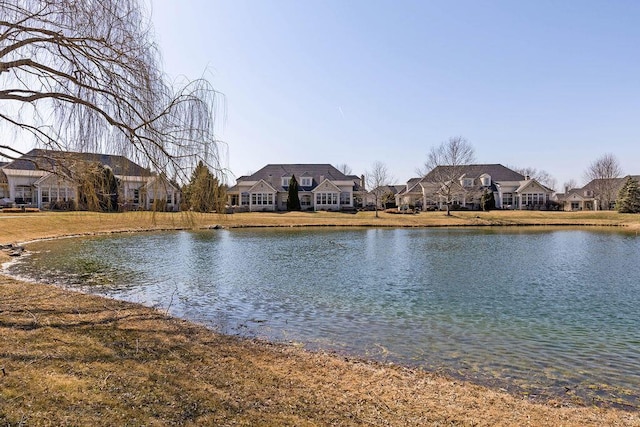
[320, 187]
[45, 178]
[587, 197]
[511, 190]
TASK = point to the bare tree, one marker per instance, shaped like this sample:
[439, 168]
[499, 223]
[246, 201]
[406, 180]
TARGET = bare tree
[344, 168]
[445, 166]
[542, 176]
[377, 179]
[601, 176]
[570, 185]
[86, 76]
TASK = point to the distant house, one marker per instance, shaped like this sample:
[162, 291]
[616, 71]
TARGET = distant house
[384, 196]
[511, 189]
[44, 178]
[320, 187]
[588, 198]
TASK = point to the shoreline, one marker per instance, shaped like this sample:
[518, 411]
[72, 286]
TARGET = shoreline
[419, 397]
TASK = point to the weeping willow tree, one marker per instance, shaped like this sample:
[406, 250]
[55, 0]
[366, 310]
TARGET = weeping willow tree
[98, 189]
[85, 76]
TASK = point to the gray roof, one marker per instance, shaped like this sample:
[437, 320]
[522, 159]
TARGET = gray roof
[273, 174]
[497, 172]
[393, 189]
[411, 184]
[47, 160]
[616, 183]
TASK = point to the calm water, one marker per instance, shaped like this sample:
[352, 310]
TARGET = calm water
[545, 313]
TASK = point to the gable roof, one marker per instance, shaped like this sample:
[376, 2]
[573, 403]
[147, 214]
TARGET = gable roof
[273, 174]
[261, 185]
[531, 182]
[47, 160]
[412, 184]
[392, 189]
[497, 172]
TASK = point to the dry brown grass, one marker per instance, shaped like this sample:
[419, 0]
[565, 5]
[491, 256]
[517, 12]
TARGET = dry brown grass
[20, 227]
[73, 359]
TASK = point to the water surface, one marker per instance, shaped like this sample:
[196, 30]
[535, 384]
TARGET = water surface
[544, 313]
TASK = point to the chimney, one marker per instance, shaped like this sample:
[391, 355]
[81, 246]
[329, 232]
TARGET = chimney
[321, 178]
[362, 184]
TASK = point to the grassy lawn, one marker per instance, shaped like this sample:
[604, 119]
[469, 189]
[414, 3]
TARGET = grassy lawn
[75, 359]
[20, 227]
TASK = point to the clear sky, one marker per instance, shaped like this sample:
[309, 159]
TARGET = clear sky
[530, 83]
[547, 84]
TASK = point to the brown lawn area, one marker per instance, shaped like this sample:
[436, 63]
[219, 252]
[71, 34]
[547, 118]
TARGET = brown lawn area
[74, 359]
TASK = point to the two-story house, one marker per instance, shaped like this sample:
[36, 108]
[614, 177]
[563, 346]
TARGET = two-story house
[463, 186]
[320, 187]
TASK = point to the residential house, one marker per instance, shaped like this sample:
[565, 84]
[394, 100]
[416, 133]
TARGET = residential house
[320, 187]
[588, 198]
[383, 196]
[43, 178]
[467, 184]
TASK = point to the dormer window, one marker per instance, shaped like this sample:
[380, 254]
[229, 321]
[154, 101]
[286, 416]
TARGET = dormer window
[485, 180]
[467, 182]
[306, 181]
[588, 193]
[285, 181]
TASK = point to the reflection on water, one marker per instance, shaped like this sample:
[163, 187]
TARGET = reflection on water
[546, 313]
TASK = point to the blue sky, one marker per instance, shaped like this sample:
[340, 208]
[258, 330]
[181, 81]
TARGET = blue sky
[547, 84]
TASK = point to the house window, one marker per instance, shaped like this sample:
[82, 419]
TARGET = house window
[45, 195]
[285, 181]
[305, 201]
[24, 194]
[507, 199]
[244, 199]
[345, 198]
[326, 199]
[306, 182]
[575, 206]
[262, 199]
[170, 197]
[532, 199]
[467, 182]
[136, 196]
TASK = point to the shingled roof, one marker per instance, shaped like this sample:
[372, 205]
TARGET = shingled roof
[273, 174]
[47, 160]
[497, 172]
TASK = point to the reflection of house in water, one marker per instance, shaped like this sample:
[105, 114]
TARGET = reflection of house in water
[47, 178]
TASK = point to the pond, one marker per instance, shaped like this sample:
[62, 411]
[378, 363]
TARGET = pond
[545, 313]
